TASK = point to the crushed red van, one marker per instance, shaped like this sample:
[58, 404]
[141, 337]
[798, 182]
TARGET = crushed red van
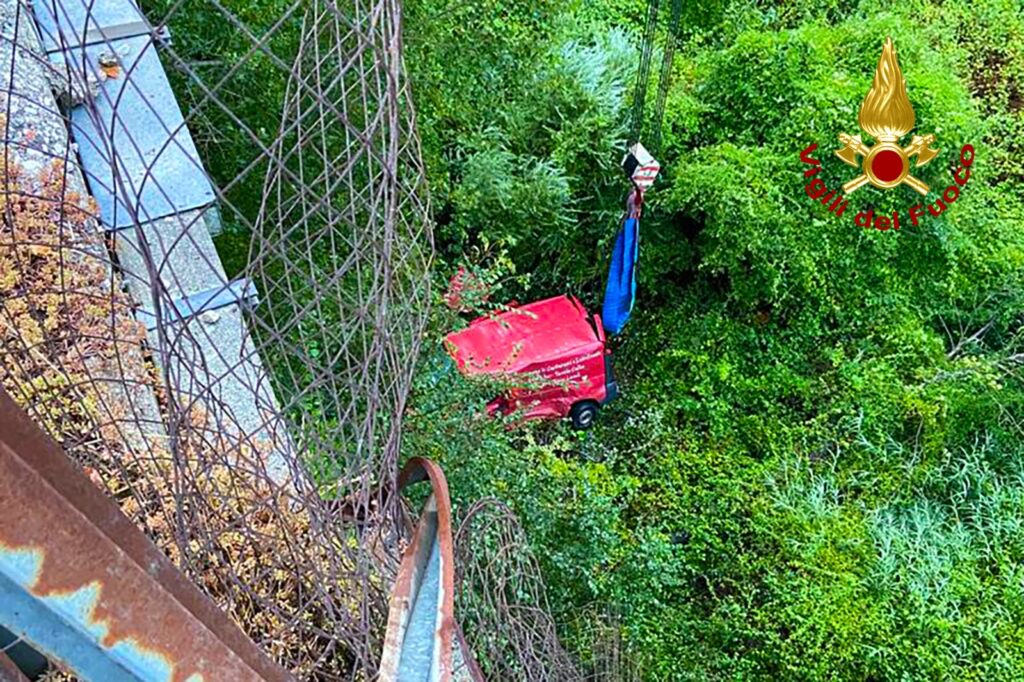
[557, 343]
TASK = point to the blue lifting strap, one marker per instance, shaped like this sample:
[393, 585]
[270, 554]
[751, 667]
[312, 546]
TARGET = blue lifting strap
[620, 291]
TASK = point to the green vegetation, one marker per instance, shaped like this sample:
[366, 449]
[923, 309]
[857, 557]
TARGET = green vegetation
[237, 109]
[816, 471]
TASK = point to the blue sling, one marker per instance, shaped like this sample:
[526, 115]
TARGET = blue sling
[620, 291]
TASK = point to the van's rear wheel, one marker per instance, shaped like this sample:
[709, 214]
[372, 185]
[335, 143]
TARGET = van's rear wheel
[583, 414]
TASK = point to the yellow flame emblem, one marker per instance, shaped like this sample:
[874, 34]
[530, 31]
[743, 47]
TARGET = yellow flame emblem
[887, 115]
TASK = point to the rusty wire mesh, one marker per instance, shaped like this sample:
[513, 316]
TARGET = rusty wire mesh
[246, 414]
[500, 591]
[506, 618]
[257, 443]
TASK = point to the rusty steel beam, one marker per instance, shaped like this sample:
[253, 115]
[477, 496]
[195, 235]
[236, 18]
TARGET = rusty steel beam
[423, 641]
[85, 587]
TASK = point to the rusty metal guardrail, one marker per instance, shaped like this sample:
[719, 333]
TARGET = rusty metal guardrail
[423, 640]
[421, 618]
[84, 586]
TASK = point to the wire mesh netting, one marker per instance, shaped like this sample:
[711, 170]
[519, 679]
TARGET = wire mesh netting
[494, 555]
[505, 615]
[234, 431]
[214, 279]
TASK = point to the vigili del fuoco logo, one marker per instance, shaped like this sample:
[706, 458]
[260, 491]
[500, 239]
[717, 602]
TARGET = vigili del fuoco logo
[887, 116]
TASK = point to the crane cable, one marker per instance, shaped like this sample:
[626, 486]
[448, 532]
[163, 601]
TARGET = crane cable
[642, 169]
[643, 75]
[665, 78]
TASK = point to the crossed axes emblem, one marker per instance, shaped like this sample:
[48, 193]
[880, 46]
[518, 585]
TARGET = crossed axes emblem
[887, 115]
[886, 164]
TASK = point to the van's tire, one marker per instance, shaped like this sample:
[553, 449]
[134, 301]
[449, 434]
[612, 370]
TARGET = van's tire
[583, 414]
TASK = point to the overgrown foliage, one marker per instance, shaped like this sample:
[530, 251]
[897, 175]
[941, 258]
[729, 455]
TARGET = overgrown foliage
[65, 326]
[815, 470]
[72, 356]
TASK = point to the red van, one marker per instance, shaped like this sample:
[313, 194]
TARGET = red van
[555, 341]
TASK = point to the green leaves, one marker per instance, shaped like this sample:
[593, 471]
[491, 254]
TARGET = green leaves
[809, 474]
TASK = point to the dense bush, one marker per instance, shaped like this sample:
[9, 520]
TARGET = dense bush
[815, 471]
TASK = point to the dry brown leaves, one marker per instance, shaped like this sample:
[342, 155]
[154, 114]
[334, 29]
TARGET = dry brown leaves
[68, 333]
[60, 315]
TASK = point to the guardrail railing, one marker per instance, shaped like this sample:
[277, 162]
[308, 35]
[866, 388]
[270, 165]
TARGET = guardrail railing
[82, 585]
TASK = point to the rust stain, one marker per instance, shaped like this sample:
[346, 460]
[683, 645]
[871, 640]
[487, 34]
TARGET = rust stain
[53, 511]
[136, 614]
[111, 71]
